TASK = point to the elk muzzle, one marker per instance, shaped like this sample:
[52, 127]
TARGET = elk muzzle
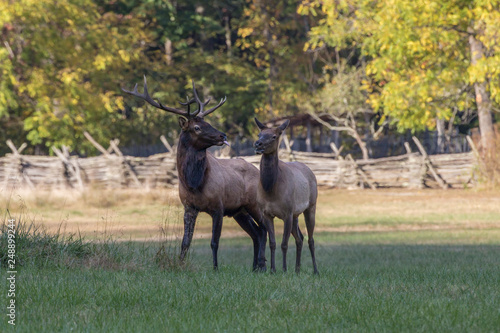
[259, 149]
[223, 140]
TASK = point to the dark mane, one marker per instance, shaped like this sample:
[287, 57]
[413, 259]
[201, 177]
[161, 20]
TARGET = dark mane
[269, 171]
[191, 165]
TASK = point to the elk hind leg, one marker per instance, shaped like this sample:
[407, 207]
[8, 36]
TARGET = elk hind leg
[299, 240]
[251, 228]
[286, 236]
[310, 218]
[262, 235]
[216, 231]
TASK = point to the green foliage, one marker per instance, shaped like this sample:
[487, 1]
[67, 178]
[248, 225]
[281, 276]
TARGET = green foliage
[271, 37]
[420, 67]
[340, 94]
[62, 64]
[65, 67]
[424, 77]
[362, 287]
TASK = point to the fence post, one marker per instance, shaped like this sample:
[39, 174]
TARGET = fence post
[166, 144]
[95, 143]
[427, 161]
[291, 156]
[336, 150]
[126, 163]
[74, 169]
[361, 172]
[20, 168]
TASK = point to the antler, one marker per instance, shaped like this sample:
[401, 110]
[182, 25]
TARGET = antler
[188, 104]
[201, 105]
[145, 96]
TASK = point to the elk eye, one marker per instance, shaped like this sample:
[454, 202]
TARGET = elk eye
[274, 137]
[196, 128]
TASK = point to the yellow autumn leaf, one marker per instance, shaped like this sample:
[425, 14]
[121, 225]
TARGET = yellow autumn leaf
[124, 55]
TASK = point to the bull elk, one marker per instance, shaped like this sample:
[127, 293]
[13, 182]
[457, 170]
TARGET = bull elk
[285, 190]
[207, 184]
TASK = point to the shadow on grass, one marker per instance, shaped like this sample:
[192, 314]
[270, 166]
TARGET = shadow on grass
[444, 248]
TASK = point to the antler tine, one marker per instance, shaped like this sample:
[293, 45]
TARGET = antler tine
[145, 96]
[188, 103]
[222, 101]
[201, 105]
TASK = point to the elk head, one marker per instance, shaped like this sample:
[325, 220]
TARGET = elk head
[268, 142]
[200, 133]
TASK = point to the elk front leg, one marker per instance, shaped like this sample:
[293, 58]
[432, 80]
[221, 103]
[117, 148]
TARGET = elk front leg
[286, 236]
[190, 215]
[216, 231]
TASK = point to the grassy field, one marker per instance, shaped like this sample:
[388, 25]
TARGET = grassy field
[424, 261]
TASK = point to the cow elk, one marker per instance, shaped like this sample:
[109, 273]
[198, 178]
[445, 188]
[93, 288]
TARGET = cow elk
[207, 184]
[285, 190]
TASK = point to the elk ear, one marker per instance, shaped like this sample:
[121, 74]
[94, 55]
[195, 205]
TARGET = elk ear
[260, 125]
[283, 126]
[183, 123]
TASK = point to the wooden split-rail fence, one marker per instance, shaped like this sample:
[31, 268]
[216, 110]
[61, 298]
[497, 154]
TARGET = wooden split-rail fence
[112, 169]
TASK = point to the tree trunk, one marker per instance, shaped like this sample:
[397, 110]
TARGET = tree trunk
[168, 52]
[336, 137]
[361, 143]
[483, 101]
[228, 36]
[309, 136]
[270, 51]
[440, 140]
[320, 138]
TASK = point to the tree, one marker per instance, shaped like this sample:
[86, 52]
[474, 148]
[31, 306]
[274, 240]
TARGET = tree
[63, 63]
[427, 57]
[271, 37]
[339, 93]
[193, 40]
[343, 101]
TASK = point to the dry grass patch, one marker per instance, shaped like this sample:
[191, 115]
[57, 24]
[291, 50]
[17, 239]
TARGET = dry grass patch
[135, 214]
[403, 209]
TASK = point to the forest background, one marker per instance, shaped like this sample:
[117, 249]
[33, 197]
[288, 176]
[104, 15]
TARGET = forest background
[370, 68]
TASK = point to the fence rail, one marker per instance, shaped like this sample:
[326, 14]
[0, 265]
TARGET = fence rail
[412, 170]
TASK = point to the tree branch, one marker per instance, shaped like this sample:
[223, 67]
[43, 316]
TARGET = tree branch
[330, 126]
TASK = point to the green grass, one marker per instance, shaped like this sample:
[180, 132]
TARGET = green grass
[387, 280]
[374, 287]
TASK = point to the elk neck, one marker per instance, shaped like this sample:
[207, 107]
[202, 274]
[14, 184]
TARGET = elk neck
[269, 171]
[191, 164]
